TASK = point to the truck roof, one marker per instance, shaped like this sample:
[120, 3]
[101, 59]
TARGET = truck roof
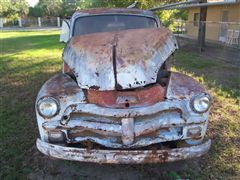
[114, 11]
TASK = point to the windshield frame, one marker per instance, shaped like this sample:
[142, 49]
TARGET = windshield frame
[109, 14]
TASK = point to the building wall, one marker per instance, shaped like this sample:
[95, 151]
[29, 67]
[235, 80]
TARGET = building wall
[214, 17]
[191, 29]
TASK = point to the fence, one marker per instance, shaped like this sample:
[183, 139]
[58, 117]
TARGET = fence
[31, 22]
[225, 33]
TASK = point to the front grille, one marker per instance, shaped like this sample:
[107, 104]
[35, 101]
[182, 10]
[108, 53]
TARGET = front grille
[95, 118]
[108, 132]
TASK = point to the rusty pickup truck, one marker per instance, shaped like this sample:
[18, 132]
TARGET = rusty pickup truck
[116, 100]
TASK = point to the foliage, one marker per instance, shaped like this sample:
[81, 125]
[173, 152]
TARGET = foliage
[11, 8]
[68, 7]
[65, 8]
[169, 17]
[36, 11]
[50, 8]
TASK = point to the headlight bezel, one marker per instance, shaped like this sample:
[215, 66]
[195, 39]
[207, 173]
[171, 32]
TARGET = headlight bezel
[199, 96]
[45, 99]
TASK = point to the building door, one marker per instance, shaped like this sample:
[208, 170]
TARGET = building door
[223, 26]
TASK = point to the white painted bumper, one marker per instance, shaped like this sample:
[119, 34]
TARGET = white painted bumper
[122, 156]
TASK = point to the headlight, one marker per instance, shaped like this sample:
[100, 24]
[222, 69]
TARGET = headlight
[48, 107]
[201, 103]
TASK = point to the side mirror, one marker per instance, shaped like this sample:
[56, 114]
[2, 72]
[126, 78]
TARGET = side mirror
[65, 31]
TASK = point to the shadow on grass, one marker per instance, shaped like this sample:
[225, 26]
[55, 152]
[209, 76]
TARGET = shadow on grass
[31, 42]
[18, 127]
[223, 129]
[216, 51]
[28, 66]
[70, 169]
[212, 72]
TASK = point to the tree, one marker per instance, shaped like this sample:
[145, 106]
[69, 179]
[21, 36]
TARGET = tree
[64, 8]
[5, 8]
[36, 11]
[68, 7]
[142, 4]
[11, 8]
[50, 8]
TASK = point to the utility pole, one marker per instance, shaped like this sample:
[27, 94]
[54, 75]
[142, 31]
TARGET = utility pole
[202, 26]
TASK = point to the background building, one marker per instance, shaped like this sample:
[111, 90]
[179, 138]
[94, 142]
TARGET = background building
[223, 20]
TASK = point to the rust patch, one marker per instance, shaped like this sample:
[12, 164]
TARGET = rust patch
[124, 99]
[195, 135]
[182, 86]
[58, 85]
[149, 132]
[94, 87]
[138, 46]
[119, 60]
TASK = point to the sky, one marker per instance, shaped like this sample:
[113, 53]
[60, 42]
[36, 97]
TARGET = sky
[32, 2]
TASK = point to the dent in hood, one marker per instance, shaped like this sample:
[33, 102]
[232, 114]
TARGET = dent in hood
[119, 60]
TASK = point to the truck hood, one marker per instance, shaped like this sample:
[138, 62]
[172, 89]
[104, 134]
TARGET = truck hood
[119, 60]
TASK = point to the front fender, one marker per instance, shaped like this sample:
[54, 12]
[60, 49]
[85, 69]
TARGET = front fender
[181, 86]
[60, 86]
[65, 90]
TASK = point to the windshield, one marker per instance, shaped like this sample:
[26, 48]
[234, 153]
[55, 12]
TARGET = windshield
[108, 23]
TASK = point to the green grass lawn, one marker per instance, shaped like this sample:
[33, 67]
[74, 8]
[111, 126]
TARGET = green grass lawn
[28, 59]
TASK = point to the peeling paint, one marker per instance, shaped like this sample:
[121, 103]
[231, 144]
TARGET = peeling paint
[119, 60]
[122, 156]
[182, 86]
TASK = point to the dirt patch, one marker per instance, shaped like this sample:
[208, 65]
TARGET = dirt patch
[44, 167]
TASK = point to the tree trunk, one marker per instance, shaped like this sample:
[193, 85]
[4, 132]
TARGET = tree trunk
[202, 27]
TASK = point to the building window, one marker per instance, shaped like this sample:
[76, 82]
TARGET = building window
[196, 19]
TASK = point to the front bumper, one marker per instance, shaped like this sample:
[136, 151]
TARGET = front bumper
[122, 156]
